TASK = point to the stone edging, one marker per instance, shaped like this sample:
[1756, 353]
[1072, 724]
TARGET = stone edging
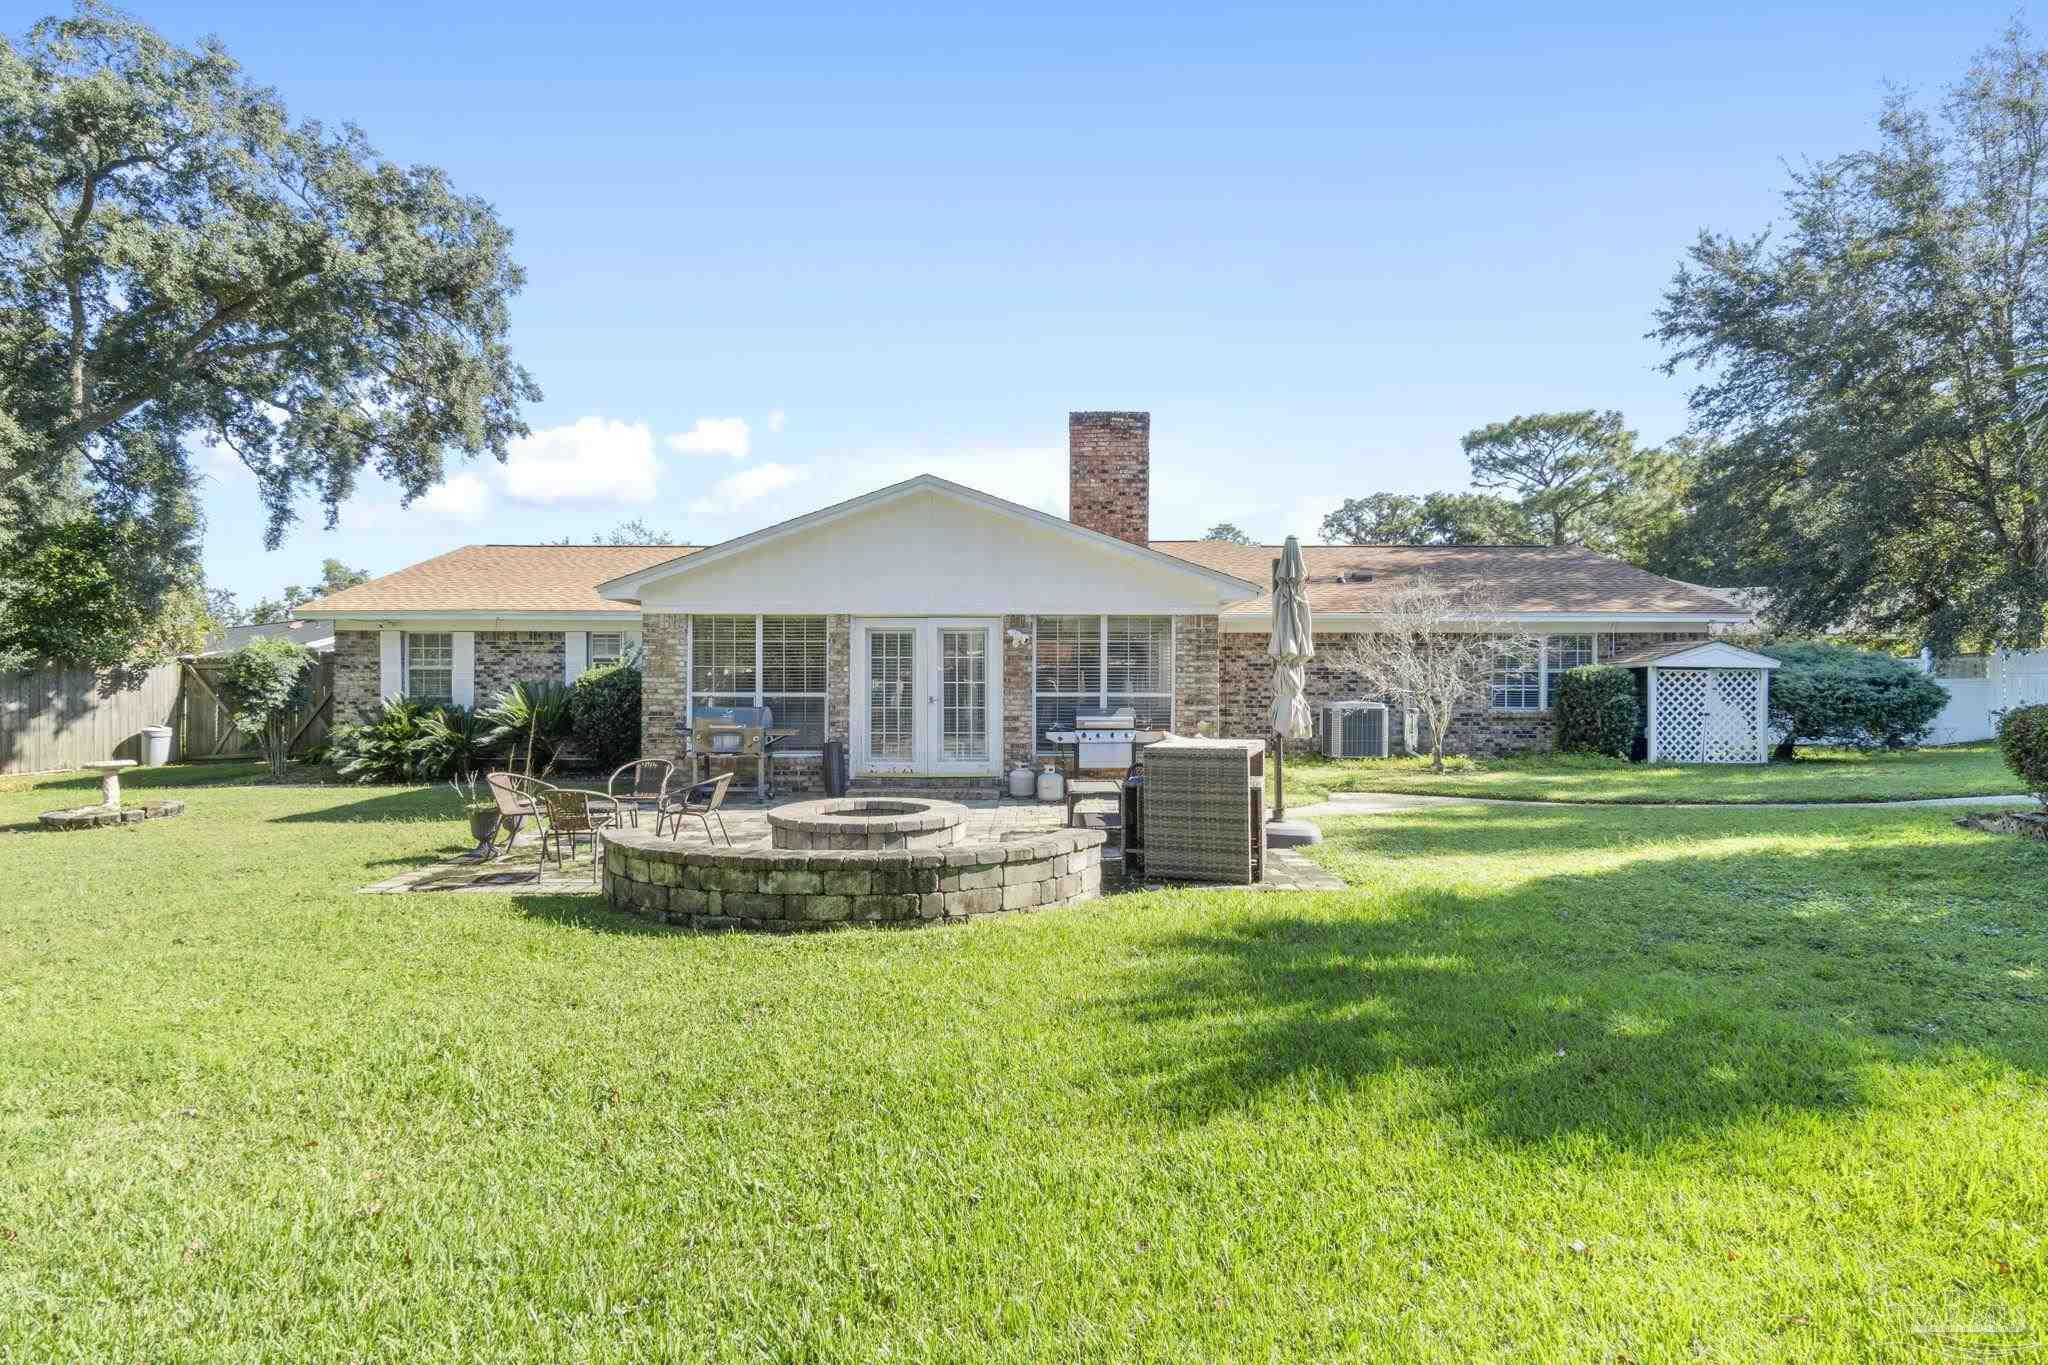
[98, 817]
[789, 889]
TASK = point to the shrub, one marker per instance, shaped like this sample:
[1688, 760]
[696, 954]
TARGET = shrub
[604, 713]
[1597, 711]
[2023, 739]
[1850, 696]
[453, 742]
[382, 749]
[531, 718]
[261, 684]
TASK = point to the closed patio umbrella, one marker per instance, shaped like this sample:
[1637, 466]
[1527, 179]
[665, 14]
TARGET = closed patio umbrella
[1293, 644]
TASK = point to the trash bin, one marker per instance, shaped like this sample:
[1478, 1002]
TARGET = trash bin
[156, 745]
[836, 775]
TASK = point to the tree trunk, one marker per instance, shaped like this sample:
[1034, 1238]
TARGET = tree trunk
[1436, 756]
[1783, 753]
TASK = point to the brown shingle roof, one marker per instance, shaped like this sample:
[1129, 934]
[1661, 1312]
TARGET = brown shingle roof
[509, 578]
[1535, 578]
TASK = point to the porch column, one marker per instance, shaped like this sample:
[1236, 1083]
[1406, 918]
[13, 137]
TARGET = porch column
[1020, 720]
[665, 639]
[1197, 682]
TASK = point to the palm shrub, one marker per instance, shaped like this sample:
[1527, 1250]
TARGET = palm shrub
[1850, 696]
[531, 718]
[604, 713]
[1597, 711]
[261, 684]
[454, 742]
[2023, 739]
[385, 748]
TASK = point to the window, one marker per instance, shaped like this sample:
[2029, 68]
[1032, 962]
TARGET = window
[430, 667]
[1089, 664]
[772, 661]
[1567, 651]
[611, 647]
[1517, 681]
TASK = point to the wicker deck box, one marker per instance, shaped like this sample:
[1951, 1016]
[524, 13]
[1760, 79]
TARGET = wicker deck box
[1204, 811]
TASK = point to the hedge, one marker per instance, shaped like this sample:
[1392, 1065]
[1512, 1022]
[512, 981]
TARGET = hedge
[1850, 696]
[2023, 739]
[1597, 710]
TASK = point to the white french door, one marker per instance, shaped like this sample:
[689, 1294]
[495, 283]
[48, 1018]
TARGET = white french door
[927, 696]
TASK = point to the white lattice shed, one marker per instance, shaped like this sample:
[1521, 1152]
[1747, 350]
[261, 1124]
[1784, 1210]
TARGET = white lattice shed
[1707, 702]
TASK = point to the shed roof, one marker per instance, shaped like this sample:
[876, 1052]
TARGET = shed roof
[1694, 654]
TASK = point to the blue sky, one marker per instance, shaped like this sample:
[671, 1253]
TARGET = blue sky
[780, 256]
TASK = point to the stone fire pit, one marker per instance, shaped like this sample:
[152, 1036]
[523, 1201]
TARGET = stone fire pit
[857, 822]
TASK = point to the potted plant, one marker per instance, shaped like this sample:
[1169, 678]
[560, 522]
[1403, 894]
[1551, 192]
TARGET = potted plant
[482, 811]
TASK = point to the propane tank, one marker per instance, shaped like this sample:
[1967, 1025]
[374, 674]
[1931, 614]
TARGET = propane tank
[1051, 785]
[1023, 782]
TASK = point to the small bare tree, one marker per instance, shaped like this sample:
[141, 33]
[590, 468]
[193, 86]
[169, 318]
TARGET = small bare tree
[1433, 647]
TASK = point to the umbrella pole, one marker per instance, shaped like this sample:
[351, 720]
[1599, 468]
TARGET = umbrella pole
[1279, 777]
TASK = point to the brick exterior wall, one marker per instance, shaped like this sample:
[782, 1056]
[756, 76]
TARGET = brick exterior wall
[1020, 720]
[504, 657]
[664, 644]
[358, 676]
[1247, 686]
[1109, 473]
[1197, 675]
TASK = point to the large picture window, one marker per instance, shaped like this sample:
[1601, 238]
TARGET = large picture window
[1085, 665]
[430, 667]
[773, 661]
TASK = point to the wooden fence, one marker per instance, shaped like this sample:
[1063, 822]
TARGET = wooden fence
[53, 719]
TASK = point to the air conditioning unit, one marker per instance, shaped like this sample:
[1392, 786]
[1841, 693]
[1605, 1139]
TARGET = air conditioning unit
[1355, 729]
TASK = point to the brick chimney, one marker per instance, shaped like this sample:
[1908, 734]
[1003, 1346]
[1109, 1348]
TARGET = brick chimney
[1109, 473]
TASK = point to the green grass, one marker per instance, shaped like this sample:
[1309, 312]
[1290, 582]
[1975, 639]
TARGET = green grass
[1816, 775]
[1559, 1083]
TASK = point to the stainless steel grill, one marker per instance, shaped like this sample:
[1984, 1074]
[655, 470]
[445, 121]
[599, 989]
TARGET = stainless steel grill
[741, 733]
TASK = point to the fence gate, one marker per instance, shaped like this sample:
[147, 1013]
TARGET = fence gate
[206, 730]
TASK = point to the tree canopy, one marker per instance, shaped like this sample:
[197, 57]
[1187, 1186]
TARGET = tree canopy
[1563, 469]
[1227, 532]
[180, 261]
[1432, 519]
[1868, 373]
[334, 576]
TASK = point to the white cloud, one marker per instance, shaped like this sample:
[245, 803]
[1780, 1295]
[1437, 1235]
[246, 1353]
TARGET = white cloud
[777, 420]
[717, 436]
[592, 459]
[461, 498]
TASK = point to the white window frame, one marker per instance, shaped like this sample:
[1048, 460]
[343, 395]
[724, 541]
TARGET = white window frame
[1099, 695]
[1554, 666]
[628, 645]
[758, 696]
[406, 665]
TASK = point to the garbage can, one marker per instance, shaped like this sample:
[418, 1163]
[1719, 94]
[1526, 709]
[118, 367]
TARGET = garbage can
[836, 775]
[156, 745]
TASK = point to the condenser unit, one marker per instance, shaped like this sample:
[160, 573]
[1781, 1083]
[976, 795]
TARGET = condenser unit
[1355, 729]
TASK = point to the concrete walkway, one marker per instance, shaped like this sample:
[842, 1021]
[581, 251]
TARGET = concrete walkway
[1381, 803]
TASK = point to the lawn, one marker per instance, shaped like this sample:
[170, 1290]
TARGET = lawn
[1557, 1083]
[1816, 775]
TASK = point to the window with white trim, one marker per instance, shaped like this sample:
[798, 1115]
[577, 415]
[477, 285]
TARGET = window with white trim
[1085, 665]
[612, 646]
[773, 661]
[1517, 681]
[430, 666]
[1566, 652]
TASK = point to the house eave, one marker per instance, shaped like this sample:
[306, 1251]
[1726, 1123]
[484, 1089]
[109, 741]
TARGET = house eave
[1253, 623]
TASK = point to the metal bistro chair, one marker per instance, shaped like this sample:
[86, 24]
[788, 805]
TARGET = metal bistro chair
[701, 799]
[518, 801]
[569, 813]
[645, 778]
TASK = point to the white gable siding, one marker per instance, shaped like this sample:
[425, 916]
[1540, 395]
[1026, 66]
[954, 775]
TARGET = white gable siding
[928, 554]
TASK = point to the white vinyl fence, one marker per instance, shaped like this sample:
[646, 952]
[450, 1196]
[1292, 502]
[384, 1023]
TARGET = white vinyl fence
[1982, 685]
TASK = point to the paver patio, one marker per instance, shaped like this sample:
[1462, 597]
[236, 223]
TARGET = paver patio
[520, 869]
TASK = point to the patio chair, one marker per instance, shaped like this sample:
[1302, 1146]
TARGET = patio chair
[644, 779]
[701, 799]
[518, 800]
[570, 813]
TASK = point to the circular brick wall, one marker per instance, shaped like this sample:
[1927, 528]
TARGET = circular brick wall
[785, 889]
[857, 822]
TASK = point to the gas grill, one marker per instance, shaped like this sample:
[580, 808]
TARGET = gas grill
[1102, 741]
[741, 733]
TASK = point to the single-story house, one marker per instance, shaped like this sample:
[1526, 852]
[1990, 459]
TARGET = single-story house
[941, 631]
